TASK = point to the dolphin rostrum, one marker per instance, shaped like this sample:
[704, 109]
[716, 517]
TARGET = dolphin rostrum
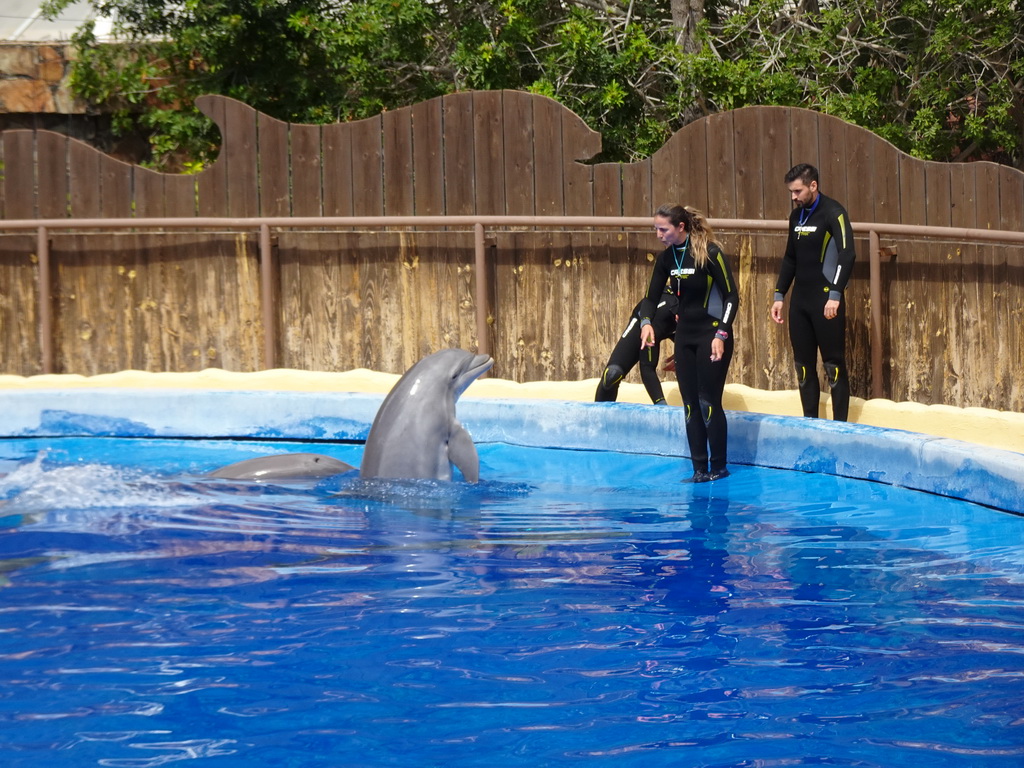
[415, 434]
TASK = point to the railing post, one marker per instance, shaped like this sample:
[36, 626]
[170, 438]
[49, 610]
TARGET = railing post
[483, 336]
[44, 300]
[875, 277]
[268, 308]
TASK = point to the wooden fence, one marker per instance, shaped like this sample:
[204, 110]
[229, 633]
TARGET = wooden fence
[347, 298]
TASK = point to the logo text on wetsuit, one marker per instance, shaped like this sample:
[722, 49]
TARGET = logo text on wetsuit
[682, 272]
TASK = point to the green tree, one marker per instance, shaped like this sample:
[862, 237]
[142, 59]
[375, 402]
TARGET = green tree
[942, 79]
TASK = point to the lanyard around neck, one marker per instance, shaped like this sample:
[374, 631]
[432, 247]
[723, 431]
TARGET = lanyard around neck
[806, 213]
[679, 259]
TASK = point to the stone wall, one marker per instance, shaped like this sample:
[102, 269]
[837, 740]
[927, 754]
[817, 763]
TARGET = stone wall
[35, 94]
[34, 79]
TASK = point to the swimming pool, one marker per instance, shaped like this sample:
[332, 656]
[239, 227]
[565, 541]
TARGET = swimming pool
[578, 606]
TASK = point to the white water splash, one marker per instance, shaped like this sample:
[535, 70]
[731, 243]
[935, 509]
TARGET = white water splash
[88, 496]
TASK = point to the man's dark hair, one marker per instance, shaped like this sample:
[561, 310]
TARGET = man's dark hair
[804, 171]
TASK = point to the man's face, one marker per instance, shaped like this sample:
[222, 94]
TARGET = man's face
[803, 195]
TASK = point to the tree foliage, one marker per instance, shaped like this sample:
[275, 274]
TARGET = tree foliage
[942, 79]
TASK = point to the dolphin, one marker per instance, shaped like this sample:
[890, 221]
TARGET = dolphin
[283, 466]
[415, 434]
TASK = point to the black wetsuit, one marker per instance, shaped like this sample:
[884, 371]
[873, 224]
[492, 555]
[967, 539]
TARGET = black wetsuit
[708, 300]
[627, 352]
[818, 263]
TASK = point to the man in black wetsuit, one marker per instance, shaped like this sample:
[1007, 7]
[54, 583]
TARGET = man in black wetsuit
[818, 263]
[628, 353]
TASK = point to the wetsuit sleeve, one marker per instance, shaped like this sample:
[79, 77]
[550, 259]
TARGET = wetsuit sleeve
[723, 279]
[788, 269]
[842, 235]
[659, 277]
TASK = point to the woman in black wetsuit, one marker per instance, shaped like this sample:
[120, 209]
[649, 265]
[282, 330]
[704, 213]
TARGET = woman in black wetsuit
[695, 268]
[628, 353]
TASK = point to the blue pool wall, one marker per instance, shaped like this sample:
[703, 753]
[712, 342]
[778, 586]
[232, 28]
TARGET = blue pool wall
[936, 465]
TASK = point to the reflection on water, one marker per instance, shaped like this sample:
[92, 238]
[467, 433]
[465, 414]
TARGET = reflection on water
[572, 607]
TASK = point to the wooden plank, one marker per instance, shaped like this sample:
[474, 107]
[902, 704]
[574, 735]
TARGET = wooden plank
[381, 315]
[52, 189]
[858, 341]
[694, 189]
[607, 189]
[339, 182]
[937, 194]
[89, 333]
[776, 160]
[579, 143]
[367, 168]
[511, 280]
[240, 148]
[398, 161]
[804, 138]
[995, 297]
[558, 290]
[860, 181]
[310, 312]
[1011, 199]
[148, 189]
[211, 182]
[962, 195]
[19, 306]
[598, 275]
[181, 196]
[428, 157]
[19, 175]
[748, 167]
[518, 139]
[550, 168]
[912, 190]
[272, 150]
[910, 370]
[636, 189]
[306, 168]
[721, 157]
[83, 178]
[459, 159]
[488, 152]
[885, 171]
[832, 137]
[3, 185]
[1007, 287]
[986, 195]
[672, 179]
[115, 188]
[1008, 368]
[985, 307]
[398, 175]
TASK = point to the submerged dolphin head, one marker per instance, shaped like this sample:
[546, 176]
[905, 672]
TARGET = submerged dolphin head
[415, 434]
[283, 466]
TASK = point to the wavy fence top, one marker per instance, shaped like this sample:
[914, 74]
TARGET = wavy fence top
[505, 152]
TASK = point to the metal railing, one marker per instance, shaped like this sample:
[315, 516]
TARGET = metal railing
[263, 225]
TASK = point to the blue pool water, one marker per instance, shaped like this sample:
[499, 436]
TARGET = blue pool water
[575, 608]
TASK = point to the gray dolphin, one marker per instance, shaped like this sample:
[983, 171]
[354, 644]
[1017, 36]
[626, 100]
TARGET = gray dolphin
[415, 434]
[283, 466]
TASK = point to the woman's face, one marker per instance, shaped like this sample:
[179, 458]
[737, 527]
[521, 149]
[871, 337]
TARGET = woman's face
[669, 233]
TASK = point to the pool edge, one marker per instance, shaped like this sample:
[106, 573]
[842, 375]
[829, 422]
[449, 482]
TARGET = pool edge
[943, 466]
